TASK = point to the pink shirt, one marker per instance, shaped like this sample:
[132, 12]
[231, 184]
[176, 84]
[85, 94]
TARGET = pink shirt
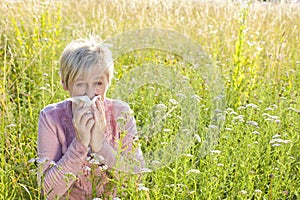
[57, 142]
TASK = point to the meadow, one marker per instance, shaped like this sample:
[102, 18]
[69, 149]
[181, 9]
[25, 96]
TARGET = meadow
[256, 48]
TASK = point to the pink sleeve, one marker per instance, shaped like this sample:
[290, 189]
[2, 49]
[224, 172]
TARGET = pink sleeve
[50, 148]
[109, 153]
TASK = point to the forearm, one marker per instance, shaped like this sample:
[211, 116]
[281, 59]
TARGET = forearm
[108, 154]
[57, 179]
[120, 160]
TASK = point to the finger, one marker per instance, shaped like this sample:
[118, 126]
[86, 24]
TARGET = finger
[86, 118]
[100, 114]
[80, 112]
[100, 106]
[90, 124]
[79, 105]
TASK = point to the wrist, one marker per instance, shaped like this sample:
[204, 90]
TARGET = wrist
[86, 144]
[97, 147]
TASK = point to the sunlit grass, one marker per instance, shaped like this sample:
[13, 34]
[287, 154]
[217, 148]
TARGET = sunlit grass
[256, 47]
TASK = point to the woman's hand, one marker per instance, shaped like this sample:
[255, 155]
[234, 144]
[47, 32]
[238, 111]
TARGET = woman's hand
[83, 122]
[97, 134]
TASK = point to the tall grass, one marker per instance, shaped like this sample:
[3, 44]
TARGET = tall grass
[256, 47]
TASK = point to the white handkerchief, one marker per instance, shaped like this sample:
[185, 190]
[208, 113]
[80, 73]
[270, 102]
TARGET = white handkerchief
[85, 99]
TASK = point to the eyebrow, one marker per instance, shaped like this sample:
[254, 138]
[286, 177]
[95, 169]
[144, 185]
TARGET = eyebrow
[83, 79]
[98, 77]
[80, 79]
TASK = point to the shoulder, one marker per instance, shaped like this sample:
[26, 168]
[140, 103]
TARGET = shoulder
[55, 109]
[120, 105]
[120, 108]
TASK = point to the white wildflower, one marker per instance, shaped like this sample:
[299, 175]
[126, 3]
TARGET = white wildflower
[256, 133]
[196, 98]
[293, 109]
[276, 136]
[220, 165]
[228, 129]
[233, 113]
[221, 117]
[188, 155]
[251, 105]
[146, 170]
[97, 198]
[88, 158]
[32, 160]
[266, 115]
[276, 145]
[100, 158]
[161, 106]
[252, 123]
[274, 117]
[229, 110]
[173, 101]
[239, 118]
[116, 198]
[211, 126]
[155, 162]
[104, 167]
[215, 151]
[243, 192]
[86, 168]
[42, 160]
[218, 111]
[218, 98]
[241, 108]
[258, 191]
[198, 138]
[142, 188]
[52, 164]
[193, 171]
[181, 95]
[271, 117]
[94, 161]
[11, 125]
[278, 140]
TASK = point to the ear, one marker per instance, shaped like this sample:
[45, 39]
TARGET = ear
[64, 85]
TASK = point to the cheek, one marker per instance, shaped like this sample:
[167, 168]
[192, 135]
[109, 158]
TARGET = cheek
[102, 90]
[78, 91]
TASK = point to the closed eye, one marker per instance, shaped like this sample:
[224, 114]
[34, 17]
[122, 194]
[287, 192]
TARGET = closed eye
[79, 84]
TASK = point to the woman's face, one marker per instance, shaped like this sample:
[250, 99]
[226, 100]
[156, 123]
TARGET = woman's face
[91, 83]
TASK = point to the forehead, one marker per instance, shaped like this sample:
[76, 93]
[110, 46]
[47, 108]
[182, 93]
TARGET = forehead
[92, 73]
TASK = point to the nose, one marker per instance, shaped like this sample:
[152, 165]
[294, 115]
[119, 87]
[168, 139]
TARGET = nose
[90, 92]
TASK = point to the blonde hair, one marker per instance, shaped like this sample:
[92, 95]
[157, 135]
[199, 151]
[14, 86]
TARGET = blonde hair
[80, 55]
